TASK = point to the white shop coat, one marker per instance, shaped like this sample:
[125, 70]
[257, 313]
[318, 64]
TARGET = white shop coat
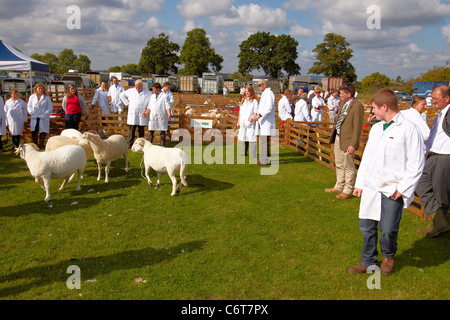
[247, 129]
[415, 117]
[301, 111]
[16, 115]
[40, 108]
[317, 114]
[114, 92]
[392, 160]
[159, 108]
[2, 118]
[170, 100]
[102, 98]
[137, 104]
[284, 108]
[266, 109]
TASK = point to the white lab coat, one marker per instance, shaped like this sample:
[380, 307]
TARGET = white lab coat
[316, 113]
[415, 117]
[137, 104]
[114, 92]
[102, 98]
[284, 109]
[266, 109]
[170, 100]
[392, 160]
[40, 108]
[2, 118]
[301, 111]
[16, 115]
[247, 129]
[159, 108]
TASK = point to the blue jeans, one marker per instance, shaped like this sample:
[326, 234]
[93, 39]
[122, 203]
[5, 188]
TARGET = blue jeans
[391, 213]
[72, 120]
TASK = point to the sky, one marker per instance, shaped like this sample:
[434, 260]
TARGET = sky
[396, 38]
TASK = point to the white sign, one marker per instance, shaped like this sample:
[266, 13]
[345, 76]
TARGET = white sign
[198, 123]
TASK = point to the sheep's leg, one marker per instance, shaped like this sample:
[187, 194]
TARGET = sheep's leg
[38, 181]
[174, 184]
[147, 175]
[66, 180]
[79, 178]
[99, 171]
[71, 177]
[125, 155]
[158, 174]
[47, 188]
[108, 164]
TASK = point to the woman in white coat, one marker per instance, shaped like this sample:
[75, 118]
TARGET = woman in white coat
[301, 112]
[159, 110]
[246, 124]
[317, 106]
[39, 107]
[16, 116]
[2, 123]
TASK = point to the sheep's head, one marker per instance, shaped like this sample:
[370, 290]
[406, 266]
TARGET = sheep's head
[138, 145]
[21, 149]
[84, 141]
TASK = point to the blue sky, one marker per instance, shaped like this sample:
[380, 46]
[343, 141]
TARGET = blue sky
[414, 35]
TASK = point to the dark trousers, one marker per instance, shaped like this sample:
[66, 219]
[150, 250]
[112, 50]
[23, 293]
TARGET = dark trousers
[162, 137]
[34, 135]
[132, 133]
[16, 140]
[433, 188]
[73, 120]
[391, 213]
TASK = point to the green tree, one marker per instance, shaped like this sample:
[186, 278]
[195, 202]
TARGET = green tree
[197, 55]
[376, 80]
[242, 77]
[48, 58]
[436, 74]
[269, 53]
[130, 68]
[114, 69]
[333, 58]
[159, 56]
[66, 60]
[82, 63]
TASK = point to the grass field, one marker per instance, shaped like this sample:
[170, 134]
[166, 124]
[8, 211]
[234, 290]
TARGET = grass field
[232, 234]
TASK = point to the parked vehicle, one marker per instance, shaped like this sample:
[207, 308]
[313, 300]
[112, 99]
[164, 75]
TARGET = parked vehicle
[188, 84]
[402, 95]
[423, 88]
[81, 81]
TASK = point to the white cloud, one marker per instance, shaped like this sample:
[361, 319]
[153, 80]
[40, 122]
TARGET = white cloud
[300, 32]
[253, 17]
[446, 33]
[193, 9]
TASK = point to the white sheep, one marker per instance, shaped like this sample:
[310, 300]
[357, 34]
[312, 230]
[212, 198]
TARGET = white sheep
[190, 112]
[61, 163]
[56, 142]
[71, 133]
[163, 160]
[106, 151]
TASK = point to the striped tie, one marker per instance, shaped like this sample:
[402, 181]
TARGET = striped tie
[341, 117]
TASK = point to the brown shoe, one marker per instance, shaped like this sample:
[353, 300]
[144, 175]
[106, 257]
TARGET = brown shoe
[343, 196]
[333, 190]
[357, 269]
[386, 266]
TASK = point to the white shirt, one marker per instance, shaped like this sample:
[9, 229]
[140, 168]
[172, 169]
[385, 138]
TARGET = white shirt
[301, 111]
[137, 104]
[40, 108]
[247, 129]
[392, 160]
[114, 92]
[284, 109]
[16, 115]
[316, 113]
[159, 108]
[170, 100]
[439, 141]
[102, 97]
[333, 104]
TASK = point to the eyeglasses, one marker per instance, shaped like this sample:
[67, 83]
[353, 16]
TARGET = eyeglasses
[260, 85]
[436, 99]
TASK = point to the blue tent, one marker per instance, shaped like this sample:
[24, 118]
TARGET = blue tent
[13, 60]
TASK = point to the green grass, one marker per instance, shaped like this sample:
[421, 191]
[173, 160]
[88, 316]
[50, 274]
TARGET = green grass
[232, 234]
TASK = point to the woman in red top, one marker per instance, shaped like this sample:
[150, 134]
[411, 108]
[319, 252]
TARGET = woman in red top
[74, 106]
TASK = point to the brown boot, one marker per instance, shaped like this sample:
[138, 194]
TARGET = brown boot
[440, 224]
[343, 196]
[386, 266]
[357, 269]
[333, 190]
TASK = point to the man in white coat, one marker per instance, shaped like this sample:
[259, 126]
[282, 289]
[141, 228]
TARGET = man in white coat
[389, 172]
[101, 95]
[266, 121]
[284, 107]
[159, 110]
[137, 99]
[114, 96]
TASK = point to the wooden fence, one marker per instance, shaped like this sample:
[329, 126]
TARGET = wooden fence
[313, 141]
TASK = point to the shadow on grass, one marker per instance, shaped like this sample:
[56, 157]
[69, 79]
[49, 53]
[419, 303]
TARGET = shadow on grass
[293, 157]
[198, 183]
[58, 206]
[92, 267]
[426, 252]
